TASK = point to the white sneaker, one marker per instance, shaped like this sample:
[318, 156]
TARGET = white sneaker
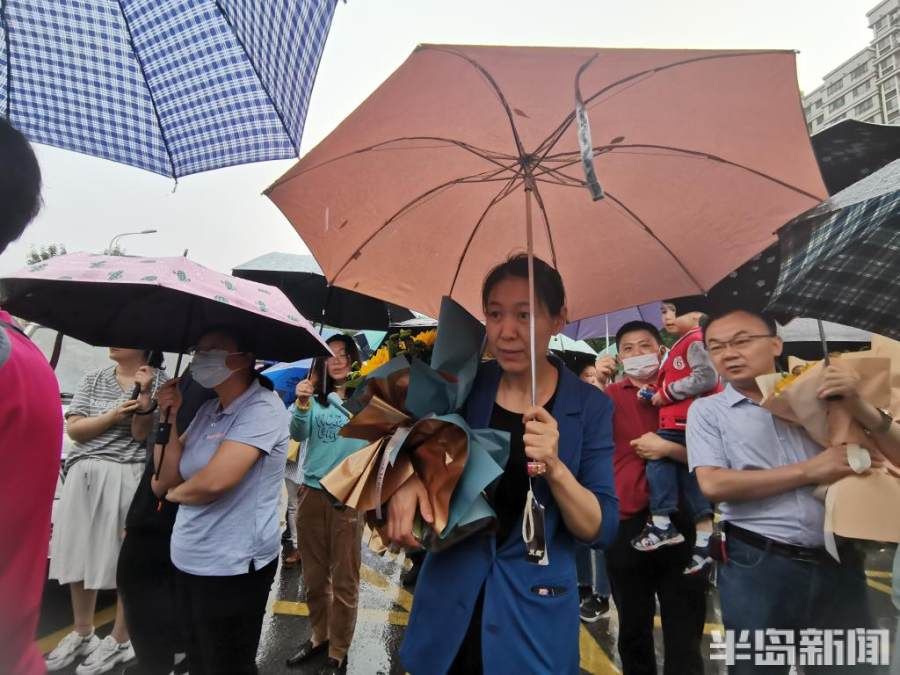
[106, 657]
[71, 647]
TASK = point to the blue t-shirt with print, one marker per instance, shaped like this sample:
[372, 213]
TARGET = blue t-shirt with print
[321, 426]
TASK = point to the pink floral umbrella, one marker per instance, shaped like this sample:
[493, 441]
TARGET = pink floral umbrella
[155, 303]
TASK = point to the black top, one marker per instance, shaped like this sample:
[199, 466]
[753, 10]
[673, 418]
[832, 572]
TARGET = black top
[145, 513]
[511, 489]
[508, 499]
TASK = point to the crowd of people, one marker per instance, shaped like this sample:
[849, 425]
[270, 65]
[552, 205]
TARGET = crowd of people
[623, 460]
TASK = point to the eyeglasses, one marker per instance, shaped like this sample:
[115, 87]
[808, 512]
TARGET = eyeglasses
[740, 343]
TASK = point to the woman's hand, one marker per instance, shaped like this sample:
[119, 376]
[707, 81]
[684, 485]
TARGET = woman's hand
[650, 446]
[401, 513]
[169, 396]
[144, 377]
[304, 391]
[125, 410]
[541, 438]
[839, 380]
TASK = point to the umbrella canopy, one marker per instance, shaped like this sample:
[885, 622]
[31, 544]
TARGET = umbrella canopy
[425, 181]
[301, 279]
[155, 303]
[851, 150]
[606, 325]
[841, 261]
[562, 343]
[174, 88]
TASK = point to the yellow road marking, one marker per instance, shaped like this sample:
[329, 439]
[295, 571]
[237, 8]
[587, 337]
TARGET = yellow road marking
[878, 586]
[878, 575]
[593, 658]
[364, 614]
[397, 594]
[101, 618]
[707, 627]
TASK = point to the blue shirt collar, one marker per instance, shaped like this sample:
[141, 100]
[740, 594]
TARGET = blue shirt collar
[732, 396]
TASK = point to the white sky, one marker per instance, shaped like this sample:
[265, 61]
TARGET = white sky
[222, 218]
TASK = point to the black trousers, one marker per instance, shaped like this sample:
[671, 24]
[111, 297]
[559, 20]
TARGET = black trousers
[223, 618]
[146, 584]
[636, 580]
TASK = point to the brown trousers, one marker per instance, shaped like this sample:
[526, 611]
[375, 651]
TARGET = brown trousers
[330, 541]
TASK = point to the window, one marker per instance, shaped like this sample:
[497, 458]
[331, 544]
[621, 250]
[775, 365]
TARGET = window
[885, 68]
[818, 104]
[835, 87]
[861, 89]
[889, 94]
[884, 45]
[858, 72]
[881, 23]
[863, 107]
[839, 118]
[819, 120]
[891, 104]
[892, 116]
[836, 104]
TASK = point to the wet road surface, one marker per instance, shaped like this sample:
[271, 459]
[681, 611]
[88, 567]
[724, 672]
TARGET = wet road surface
[384, 612]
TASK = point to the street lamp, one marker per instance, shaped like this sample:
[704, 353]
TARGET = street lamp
[112, 242]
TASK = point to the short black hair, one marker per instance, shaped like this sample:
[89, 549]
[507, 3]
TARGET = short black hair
[548, 284]
[20, 184]
[633, 326]
[578, 362]
[767, 319]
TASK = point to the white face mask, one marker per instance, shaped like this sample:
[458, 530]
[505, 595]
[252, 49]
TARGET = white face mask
[208, 368]
[641, 367]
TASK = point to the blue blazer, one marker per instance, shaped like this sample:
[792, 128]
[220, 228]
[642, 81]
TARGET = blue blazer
[523, 631]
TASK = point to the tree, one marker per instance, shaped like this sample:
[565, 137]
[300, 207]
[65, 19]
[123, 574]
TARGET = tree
[45, 253]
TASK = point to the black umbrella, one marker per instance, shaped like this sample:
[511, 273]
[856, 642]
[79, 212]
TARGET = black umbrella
[851, 150]
[301, 279]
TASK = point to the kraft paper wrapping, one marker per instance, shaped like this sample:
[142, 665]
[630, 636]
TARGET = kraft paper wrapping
[862, 506]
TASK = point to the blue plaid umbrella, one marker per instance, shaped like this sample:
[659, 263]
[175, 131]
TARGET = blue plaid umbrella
[841, 262]
[173, 87]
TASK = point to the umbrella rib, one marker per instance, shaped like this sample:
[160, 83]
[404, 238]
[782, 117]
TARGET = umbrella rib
[496, 87]
[284, 125]
[492, 157]
[557, 133]
[476, 178]
[505, 191]
[609, 149]
[655, 238]
[140, 63]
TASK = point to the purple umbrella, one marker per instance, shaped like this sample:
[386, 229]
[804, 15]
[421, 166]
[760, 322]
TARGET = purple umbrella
[607, 324]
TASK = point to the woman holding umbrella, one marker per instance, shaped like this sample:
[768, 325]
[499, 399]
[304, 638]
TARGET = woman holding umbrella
[226, 473]
[329, 534]
[484, 588]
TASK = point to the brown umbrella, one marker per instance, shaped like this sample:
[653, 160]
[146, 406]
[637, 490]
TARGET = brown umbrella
[702, 155]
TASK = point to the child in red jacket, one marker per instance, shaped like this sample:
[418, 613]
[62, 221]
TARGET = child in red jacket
[685, 373]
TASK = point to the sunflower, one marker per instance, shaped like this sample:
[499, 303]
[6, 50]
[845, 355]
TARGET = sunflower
[427, 337]
[378, 359]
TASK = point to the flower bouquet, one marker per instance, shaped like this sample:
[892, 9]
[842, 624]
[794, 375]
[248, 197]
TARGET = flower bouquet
[856, 506]
[408, 411]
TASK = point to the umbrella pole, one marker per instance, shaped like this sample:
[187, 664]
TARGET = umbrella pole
[534, 468]
[826, 360]
[606, 346]
[166, 426]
